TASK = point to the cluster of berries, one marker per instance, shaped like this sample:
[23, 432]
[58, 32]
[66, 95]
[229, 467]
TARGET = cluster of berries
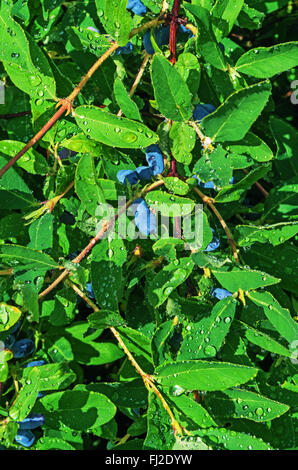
[144, 218]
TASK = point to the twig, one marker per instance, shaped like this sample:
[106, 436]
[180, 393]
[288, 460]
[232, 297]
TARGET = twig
[259, 186]
[65, 104]
[147, 378]
[209, 201]
[106, 227]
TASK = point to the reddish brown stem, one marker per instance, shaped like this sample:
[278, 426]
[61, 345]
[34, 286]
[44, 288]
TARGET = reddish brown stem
[15, 115]
[259, 186]
[173, 30]
[33, 141]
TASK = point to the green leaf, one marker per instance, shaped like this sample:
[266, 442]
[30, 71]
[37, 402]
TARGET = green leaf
[20, 56]
[112, 130]
[52, 376]
[106, 279]
[245, 279]
[126, 104]
[160, 434]
[53, 443]
[30, 302]
[78, 410]
[169, 205]
[189, 68]
[235, 191]
[280, 261]
[122, 394]
[206, 42]
[282, 201]
[275, 234]
[265, 62]
[167, 280]
[159, 343]
[81, 143]
[41, 233]
[86, 184]
[278, 316]
[26, 397]
[252, 147]
[171, 92]
[224, 14]
[105, 319]
[233, 119]
[33, 162]
[20, 258]
[84, 38]
[190, 413]
[265, 341]
[216, 167]
[203, 375]
[117, 20]
[9, 315]
[204, 338]
[245, 404]
[61, 350]
[182, 141]
[286, 138]
[176, 185]
[225, 439]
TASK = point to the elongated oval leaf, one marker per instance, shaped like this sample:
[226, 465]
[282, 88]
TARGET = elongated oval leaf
[171, 92]
[204, 375]
[264, 62]
[112, 130]
[233, 119]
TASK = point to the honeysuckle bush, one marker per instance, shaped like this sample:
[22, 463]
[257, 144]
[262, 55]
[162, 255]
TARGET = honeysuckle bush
[154, 342]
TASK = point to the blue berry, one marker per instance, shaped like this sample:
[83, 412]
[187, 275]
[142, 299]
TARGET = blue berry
[221, 293]
[66, 153]
[22, 348]
[144, 172]
[208, 185]
[222, 47]
[137, 7]
[144, 219]
[129, 176]
[202, 110]
[9, 342]
[214, 244]
[90, 290]
[127, 49]
[155, 159]
[185, 31]
[25, 437]
[32, 421]
[161, 35]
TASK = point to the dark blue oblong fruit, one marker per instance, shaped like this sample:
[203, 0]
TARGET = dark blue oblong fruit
[25, 437]
[127, 49]
[32, 421]
[144, 172]
[220, 293]
[202, 110]
[137, 7]
[22, 348]
[145, 220]
[214, 244]
[129, 176]
[154, 158]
